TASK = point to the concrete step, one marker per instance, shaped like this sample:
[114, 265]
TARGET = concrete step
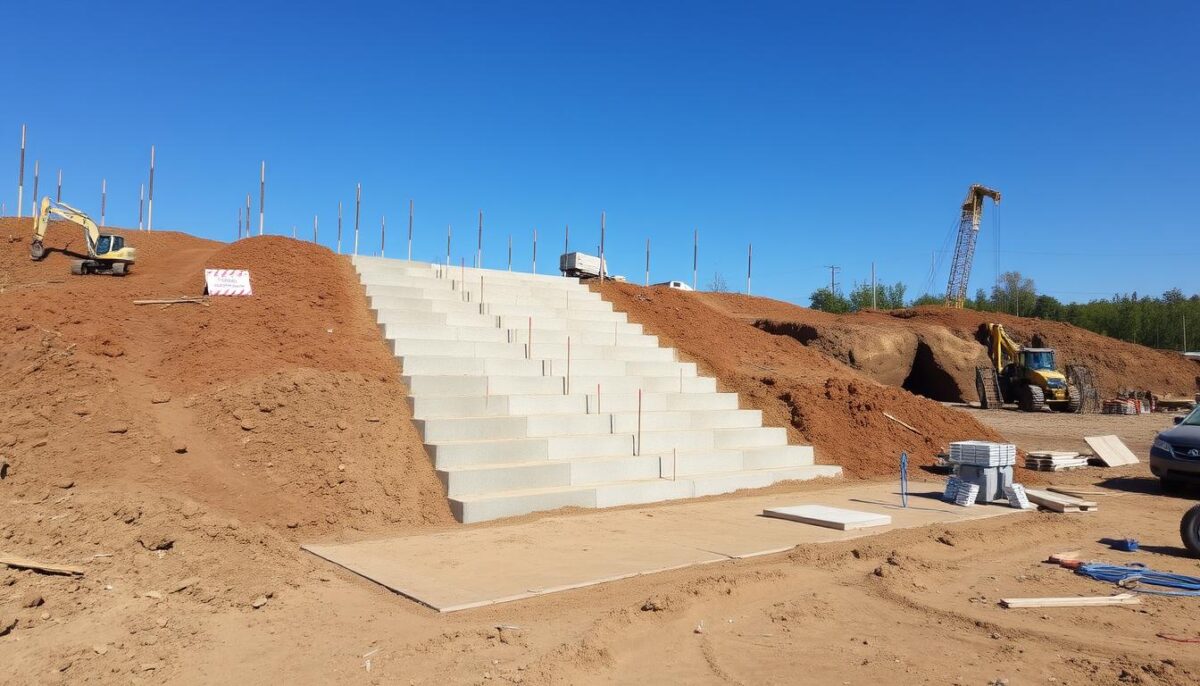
[591, 311]
[545, 350]
[430, 407]
[443, 385]
[449, 455]
[484, 507]
[372, 267]
[511, 366]
[435, 332]
[490, 428]
[617, 325]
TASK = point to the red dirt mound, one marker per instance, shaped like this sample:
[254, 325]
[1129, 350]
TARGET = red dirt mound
[823, 402]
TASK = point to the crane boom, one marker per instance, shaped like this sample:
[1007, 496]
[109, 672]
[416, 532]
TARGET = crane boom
[964, 246]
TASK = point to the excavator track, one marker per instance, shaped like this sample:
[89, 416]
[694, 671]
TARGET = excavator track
[987, 385]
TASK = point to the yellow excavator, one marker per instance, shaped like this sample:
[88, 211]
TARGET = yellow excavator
[1027, 376]
[106, 252]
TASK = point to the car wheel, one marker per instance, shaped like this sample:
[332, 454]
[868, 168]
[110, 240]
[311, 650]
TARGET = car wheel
[1189, 530]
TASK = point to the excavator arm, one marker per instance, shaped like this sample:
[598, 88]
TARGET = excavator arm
[1001, 346]
[91, 232]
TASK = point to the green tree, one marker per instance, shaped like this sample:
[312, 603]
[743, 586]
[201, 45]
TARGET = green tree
[1014, 294]
[827, 301]
[929, 299]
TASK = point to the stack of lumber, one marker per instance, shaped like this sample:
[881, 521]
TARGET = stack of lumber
[1124, 406]
[1088, 601]
[1059, 502]
[1054, 460]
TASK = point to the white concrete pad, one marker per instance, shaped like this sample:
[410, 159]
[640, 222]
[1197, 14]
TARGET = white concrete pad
[829, 517]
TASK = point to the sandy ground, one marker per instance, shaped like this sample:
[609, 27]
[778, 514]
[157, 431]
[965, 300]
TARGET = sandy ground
[864, 611]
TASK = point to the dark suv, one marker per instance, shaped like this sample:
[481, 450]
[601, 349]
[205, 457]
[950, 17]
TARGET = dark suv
[1175, 455]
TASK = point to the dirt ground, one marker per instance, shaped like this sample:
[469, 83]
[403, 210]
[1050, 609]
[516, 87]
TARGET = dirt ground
[181, 454]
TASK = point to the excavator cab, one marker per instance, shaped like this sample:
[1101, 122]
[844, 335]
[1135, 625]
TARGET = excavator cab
[1038, 359]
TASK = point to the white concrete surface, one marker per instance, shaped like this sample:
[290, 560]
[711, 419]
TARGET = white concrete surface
[531, 393]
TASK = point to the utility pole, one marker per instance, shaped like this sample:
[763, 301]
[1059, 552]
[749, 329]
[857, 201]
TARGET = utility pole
[357, 209]
[21, 175]
[262, 196]
[833, 270]
[602, 265]
[749, 263]
[647, 262]
[695, 254]
[150, 196]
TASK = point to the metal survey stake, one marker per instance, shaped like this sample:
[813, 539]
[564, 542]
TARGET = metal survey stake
[479, 244]
[58, 194]
[695, 254]
[410, 229]
[904, 479]
[357, 212]
[103, 199]
[150, 195]
[382, 233]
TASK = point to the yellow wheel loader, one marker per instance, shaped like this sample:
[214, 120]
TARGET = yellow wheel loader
[106, 252]
[1026, 376]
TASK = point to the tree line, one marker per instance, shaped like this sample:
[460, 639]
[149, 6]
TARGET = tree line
[1162, 321]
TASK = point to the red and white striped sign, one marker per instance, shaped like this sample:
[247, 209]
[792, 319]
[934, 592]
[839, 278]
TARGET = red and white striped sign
[228, 281]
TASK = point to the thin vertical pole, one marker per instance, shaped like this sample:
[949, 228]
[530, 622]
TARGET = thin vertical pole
[339, 236]
[21, 175]
[58, 194]
[647, 261]
[150, 195]
[36, 174]
[315, 228]
[410, 225]
[535, 251]
[479, 244]
[357, 208]
[568, 382]
[597, 398]
[262, 197]
[447, 245]
[382, 233]
[639, 435]
[239, 233]
[247, 215]
[567, 238]
[142, 205]
[695, 254]
[602, 270]
[749, 264]
[529, 341]
[510, 252]
[103, 199]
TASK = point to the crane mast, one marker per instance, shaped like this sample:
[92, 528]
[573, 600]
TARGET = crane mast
[964, 246]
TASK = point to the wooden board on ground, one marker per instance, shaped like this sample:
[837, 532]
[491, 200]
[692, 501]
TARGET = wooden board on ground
[1059, 502]
[1073, 492]
[1111, 451]
[47, 567]
[1054, 454]
[829, 517]
[1087, 601]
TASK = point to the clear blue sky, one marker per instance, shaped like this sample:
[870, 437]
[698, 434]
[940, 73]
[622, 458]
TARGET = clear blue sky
[837, 133]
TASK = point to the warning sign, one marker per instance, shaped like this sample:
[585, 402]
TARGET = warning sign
[227, 281]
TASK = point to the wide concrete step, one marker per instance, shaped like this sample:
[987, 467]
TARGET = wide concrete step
[376, 267]
[434, 332]
[595, 311]
[480, 479]
[444, 385]
[510, 366]
[430, 407]
[482, 428]
[494, 505]
[554, 299]
[615, 325]
[407, 346]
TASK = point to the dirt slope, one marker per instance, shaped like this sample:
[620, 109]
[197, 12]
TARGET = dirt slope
[934, 350]
[822, 402]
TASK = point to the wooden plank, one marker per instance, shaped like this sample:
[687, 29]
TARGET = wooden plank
[1073, 492]
[1111, 451]
[829, 517]
[907, 426]
[1059, 502]
[170, 301]
[1086, 601]
[47, 567]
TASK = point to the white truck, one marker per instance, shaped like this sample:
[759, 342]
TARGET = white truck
[580, 265]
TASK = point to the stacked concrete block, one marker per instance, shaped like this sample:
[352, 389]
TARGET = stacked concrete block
[531, 394]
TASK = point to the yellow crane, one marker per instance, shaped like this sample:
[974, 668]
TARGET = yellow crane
[964, 246]
[106, 252]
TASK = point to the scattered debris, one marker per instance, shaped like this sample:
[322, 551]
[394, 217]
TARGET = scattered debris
[178, 446]
[1086, 601]
[1169, 637]
[185, 584]
[156, 541]
[7, 624]
[910, 427]
[173, 301]
[259, 602]
[32, 599]
[45, 567]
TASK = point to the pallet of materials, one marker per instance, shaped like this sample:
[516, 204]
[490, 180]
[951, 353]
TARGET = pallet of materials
[1054, 460]
[1059, 502]
[983, 453]
[1125, 406]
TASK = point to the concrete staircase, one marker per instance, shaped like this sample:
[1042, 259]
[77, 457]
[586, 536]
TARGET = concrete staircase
[527, 388]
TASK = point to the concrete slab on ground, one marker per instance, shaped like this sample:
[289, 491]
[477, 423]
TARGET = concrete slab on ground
[474, 566]
[829, 517]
